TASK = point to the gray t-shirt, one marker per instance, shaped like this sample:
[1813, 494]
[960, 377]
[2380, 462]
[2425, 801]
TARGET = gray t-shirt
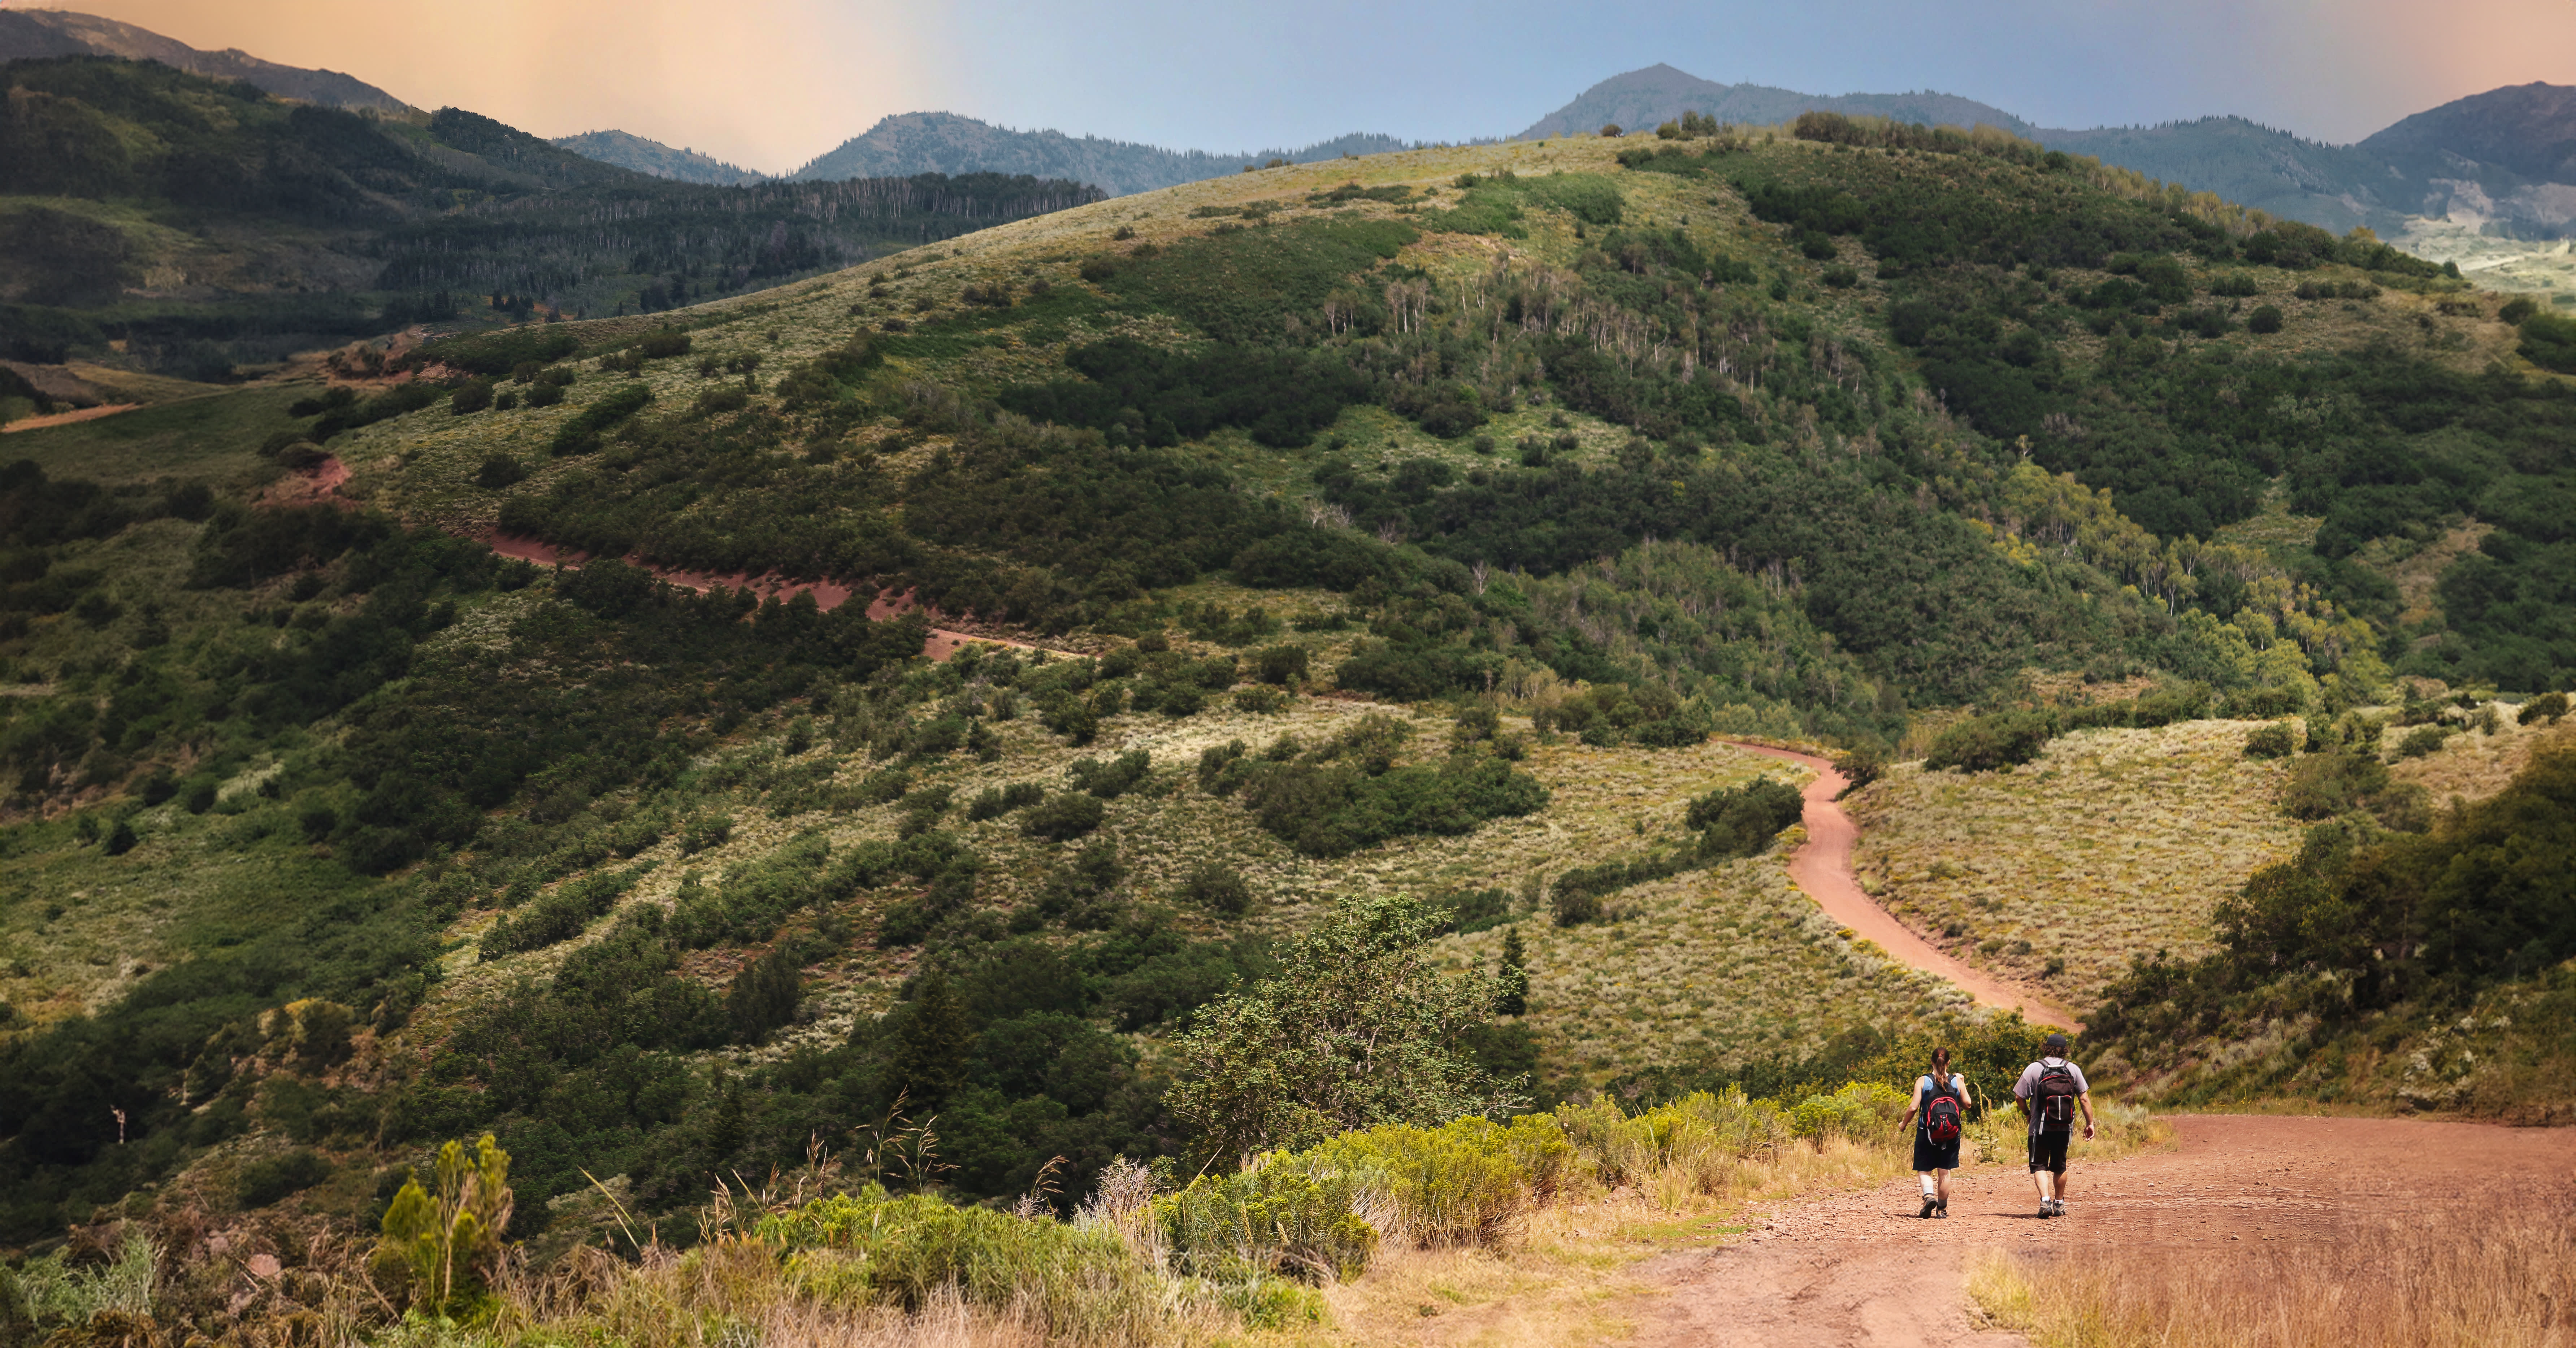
[2028, 1086]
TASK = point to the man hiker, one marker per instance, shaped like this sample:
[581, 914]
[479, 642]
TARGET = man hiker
[1938, 1113]
[2051, 1091]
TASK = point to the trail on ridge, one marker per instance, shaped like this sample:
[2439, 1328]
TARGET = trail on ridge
[1823, 868]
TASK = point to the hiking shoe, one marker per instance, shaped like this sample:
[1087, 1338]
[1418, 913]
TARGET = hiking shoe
[2059, 1204]
[2047, 1208]
[1929, 1203]
[1941, 1209]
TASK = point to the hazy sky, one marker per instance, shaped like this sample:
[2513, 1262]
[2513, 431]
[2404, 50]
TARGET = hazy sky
[771, 83]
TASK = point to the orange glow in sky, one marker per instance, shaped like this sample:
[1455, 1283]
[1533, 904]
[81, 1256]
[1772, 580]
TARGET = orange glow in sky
[769, 84]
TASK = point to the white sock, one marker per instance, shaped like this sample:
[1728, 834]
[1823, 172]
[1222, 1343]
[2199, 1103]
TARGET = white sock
[1927, 1184]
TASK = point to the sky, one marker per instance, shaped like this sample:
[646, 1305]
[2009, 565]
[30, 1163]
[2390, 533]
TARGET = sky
[770, 84]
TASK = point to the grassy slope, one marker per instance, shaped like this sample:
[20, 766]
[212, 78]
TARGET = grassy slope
[1723, 963]
[2113, 841]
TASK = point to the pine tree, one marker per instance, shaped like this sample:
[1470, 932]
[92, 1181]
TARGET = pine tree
[928, 1059]
[1512, 994]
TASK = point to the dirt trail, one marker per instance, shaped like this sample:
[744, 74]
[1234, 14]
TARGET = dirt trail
[942, 644]
[1863, 1269]
[67, 418]
[1823, 869]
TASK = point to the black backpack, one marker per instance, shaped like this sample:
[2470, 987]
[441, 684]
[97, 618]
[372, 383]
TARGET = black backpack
[2054, 1097]
[1942, 1121]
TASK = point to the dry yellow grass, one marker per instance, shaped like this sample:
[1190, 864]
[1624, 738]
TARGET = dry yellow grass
[2111, 843]
[2476, 765]
[2497, 1279]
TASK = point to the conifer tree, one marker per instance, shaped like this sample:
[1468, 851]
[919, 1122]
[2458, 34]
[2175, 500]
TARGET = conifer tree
[1511, 997]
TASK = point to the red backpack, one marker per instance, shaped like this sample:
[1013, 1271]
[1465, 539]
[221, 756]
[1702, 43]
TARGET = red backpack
[1942, 1120]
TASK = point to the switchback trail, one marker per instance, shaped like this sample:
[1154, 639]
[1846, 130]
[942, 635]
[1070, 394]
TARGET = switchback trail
[1861, 1268]
[1823, 869]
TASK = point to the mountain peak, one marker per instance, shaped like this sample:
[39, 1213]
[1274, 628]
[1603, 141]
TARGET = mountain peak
[1660, 93]
[32, 34]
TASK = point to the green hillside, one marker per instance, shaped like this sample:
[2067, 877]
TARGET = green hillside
[178, 224]
[1399, 526]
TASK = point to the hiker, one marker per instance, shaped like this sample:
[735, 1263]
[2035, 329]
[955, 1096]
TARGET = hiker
[1938, 1113]
[2050, 1091]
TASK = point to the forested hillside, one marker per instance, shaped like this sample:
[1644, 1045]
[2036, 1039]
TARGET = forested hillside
[1367, 555]
[199, 225]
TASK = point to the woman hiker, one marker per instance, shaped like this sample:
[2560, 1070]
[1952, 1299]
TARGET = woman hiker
[1938, 1114]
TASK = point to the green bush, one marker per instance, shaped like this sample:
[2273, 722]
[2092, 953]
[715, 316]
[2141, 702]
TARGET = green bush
[1274, 1217]
[2549, 341]
[2266, 319]
[2546, 707]
[1741, 821]
[271, 1178]
[995, 801]
[1702, 1136]
[1113, 779]
[499, 470]
[1079, 1282]
[1462, 1183]
[1984, 743]
[1219, 888]
[1065, 816]
[2423, 740]
[2278, 740]
[580, 435]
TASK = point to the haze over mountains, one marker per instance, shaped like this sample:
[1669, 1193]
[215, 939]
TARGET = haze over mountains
[2505, 158]
[30, 34]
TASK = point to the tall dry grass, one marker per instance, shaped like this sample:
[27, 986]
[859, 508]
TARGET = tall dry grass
[2473, 1278]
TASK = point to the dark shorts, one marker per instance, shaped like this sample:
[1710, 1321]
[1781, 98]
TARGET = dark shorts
[2048, 1152]
[1931, 1155]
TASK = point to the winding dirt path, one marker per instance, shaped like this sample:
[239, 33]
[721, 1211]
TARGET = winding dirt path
[942, 644]
[1861, 1268]
[1823, 869]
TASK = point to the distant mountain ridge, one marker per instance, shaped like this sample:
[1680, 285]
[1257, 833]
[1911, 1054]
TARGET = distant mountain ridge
[28, 34]
[629, 151]
[2505, 158]
[944, 142]
[1642, 99]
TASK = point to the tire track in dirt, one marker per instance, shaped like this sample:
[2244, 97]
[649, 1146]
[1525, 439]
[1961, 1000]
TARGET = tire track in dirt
[1823, 869]
[1861, 1268]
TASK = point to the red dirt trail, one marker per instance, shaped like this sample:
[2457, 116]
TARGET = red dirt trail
[1823, 869]
[828, 595]
[1861, 1268]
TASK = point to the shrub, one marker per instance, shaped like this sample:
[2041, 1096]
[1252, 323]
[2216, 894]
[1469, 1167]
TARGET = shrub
[1283, 664]
[470, 397]
[1260, 701]
[1699, 1138]
[1274, 1217]
[764, 996]
[1859, 1111]
[1219, 888]
[2517, 309]
[269, 1179]
[447, 1245]
[995, 801]
[661, 343]
[1359, 1028]
[1574, 905]
[2322, 786]
[499, 470]
[1462, 1183]
[1113, 779]
[1065, 816]
[2546, 707]
[1984, 743]
[2278, 740]
[2266, 319]
[1079, 1282]
[706, 833]
[2423, 740]
[1741, 821]
[580, 435]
